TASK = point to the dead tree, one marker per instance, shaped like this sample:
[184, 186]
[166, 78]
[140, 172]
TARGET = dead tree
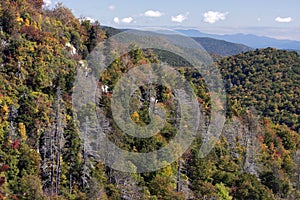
[60, 125]
[51, 148]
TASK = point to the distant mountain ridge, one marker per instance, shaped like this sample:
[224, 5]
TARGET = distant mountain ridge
[250, 40]
[211, 45]
[221, 47]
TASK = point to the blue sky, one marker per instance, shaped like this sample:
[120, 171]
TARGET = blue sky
[275, 18]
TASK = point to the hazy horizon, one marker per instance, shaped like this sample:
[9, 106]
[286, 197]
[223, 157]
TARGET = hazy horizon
[271, 32]
[276, 19]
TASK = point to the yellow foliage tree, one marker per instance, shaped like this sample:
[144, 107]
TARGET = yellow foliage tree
[5, 111]
[22, 131]
[135, 117]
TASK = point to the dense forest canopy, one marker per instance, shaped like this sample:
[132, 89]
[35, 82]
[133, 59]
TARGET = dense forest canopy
[267, 79]
[42, 155]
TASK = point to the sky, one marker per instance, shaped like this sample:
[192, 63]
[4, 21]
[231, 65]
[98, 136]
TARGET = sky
[274, 18]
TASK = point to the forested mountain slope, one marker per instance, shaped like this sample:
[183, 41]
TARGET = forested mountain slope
[267, 79]
[211, 45]
[42, 155]
[221, 47]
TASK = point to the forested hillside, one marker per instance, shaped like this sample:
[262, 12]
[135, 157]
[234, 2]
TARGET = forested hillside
[267, 79]
[42, 155]
[221, 47]
[212, 46]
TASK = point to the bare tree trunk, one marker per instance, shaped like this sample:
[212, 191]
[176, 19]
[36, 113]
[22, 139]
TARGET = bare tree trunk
[178, 184]
[57, 137]
[52, 161]
[85, 168]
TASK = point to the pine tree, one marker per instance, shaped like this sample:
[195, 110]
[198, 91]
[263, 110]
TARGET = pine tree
[72, 154]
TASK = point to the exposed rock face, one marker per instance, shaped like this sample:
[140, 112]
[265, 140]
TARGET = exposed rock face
[243, 135]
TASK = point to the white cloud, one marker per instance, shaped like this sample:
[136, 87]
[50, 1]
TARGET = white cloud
[47, 3]
[283, 19]
[112, 7]
[116, 20]
[179, 18]
[127, 20]
[214, 16]
[91, 19]
[152, 13]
